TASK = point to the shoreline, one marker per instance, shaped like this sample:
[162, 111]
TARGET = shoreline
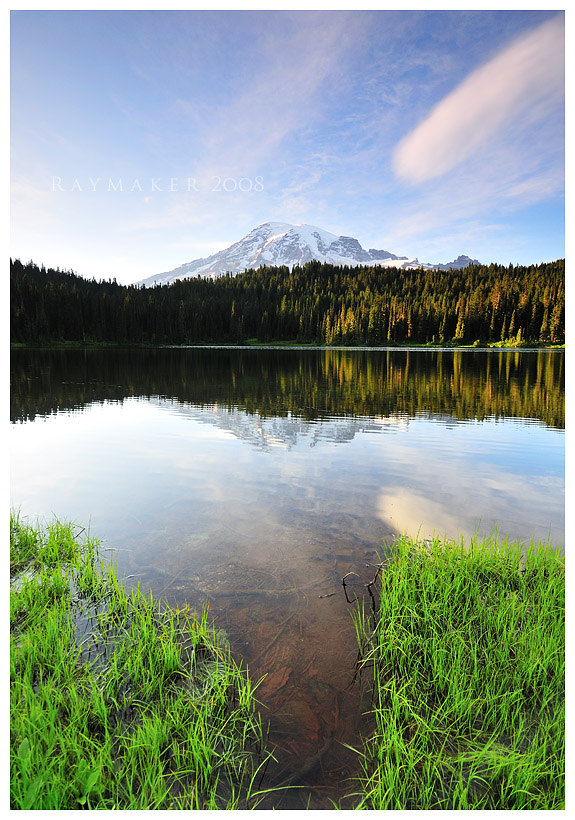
[524, 348]
[116, 701]
[465, 659]
[462, 658]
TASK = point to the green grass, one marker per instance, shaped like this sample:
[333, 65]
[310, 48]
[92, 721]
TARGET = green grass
[119, 703]
[115, 701]
[465, 652]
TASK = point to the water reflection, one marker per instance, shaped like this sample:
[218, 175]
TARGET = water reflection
[256, 479]
[284, 432]
[463, 384]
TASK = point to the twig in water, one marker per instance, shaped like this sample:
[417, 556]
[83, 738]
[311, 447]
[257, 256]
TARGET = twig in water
[375, 577]
[274, 639]
[345, 588]
[373, 603]
[308, 766]
[309, 665]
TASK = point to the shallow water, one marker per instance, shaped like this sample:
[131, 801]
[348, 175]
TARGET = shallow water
[254, 479]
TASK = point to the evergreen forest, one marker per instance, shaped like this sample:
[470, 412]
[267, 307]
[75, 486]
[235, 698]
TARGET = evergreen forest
[315, 304]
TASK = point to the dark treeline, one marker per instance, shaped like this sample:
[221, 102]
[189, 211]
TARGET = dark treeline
[316, 303]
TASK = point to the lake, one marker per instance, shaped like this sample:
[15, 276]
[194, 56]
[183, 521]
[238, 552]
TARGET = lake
[256, 478]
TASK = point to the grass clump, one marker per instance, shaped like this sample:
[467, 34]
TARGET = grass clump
[467, 651]
[117, 702]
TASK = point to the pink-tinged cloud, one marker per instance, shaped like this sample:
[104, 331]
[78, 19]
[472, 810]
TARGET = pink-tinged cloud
[527, 78]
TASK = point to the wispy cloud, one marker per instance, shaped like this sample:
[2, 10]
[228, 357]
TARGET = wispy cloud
[281, 97]
[301, 114]
[485, 190]
[527, 78]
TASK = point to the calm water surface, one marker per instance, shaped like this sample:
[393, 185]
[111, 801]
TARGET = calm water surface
[256, 478]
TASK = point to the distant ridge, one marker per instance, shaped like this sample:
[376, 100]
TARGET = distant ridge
[279, 243]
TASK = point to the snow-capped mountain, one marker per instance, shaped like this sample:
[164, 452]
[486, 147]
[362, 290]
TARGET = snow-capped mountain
[460, 262]
[277, 243]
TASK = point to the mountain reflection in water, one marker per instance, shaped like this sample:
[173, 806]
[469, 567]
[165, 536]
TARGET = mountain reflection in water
[463, 384]
[254, 479]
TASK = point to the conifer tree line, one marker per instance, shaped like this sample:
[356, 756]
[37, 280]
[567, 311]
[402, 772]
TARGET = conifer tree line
[315, 303]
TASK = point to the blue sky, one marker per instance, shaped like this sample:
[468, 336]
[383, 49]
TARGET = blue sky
[142, 140]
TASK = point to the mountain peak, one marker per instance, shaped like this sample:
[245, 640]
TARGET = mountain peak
[283, 244]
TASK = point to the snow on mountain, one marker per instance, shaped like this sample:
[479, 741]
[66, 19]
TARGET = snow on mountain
[460, 262]
[283, 432]
[278, 243]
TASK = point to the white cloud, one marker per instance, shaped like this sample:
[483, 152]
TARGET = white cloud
[526, 79]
